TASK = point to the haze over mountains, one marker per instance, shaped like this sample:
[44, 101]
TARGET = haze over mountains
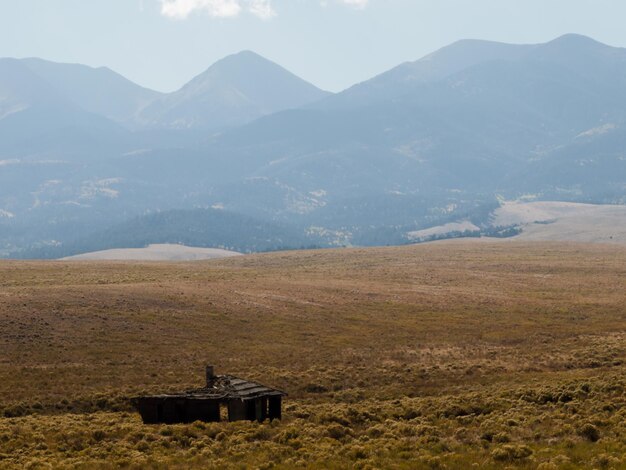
[439, 140]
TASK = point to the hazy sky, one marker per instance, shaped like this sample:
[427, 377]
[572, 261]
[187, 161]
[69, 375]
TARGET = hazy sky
[162, 44]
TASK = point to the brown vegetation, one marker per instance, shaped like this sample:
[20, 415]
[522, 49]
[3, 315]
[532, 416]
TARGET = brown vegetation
[433, 356]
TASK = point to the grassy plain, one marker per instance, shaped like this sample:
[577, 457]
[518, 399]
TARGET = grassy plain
[445, 355]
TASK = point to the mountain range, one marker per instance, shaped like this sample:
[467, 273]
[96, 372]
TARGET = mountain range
[445, 138]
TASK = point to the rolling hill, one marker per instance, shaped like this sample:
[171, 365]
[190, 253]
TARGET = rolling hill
[539, 221]
[199, 228]
[453, 354]
[156, 252]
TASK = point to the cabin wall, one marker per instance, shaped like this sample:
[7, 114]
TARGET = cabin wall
[237, 410]
[275, 407]
[187, 409]
[148, 411]
[203, 410]
[173, 410]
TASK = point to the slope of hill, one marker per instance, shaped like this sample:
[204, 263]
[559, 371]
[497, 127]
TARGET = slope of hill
[201, 228]
[454, 355]
[540, 221]
[558, 221]
[156, 252]
[233, 91]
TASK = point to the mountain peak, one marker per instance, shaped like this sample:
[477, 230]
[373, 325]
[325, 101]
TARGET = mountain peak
[246, 53]
[22, 84]
[234, 65]
[233, 91]
[438, 65]
[576, 40]
[98, 90]
[245, 56]
[582, 53]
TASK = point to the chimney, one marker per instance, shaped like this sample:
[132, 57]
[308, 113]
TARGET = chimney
[210, 376]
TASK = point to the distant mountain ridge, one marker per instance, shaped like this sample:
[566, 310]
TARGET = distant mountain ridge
[484, 126]
[233, 91]
[429, 143]
[35, 117]
[571, 49]
[99, 91]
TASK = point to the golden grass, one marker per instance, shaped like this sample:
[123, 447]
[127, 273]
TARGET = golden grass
[444, 355]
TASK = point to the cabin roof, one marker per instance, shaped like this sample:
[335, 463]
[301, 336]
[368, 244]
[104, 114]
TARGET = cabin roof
[226, 387]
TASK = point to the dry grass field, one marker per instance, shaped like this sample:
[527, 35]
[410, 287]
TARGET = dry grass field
[445, 355]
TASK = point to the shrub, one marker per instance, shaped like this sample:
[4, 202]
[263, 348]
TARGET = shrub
[510, 453]
[262, 433]
[606, 461]
[336, 431]
[358, 453]
[590, 432]
[376, 431]
[501, 437]
[315, 388]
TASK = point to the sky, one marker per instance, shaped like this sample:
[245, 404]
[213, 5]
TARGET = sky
[162, 44]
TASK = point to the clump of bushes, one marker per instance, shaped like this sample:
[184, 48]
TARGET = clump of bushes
[337, 431]
[510, 453]
[372, 433]
[589, 432]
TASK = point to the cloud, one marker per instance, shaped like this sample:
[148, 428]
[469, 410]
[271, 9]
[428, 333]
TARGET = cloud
[261, 8]
[181, 9]
[355, 3]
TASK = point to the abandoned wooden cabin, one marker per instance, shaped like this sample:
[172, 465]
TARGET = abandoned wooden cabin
[243, 399]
